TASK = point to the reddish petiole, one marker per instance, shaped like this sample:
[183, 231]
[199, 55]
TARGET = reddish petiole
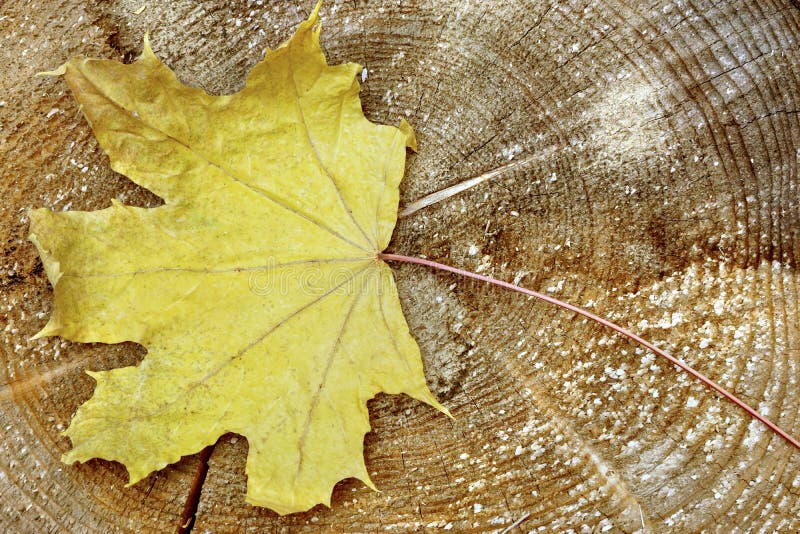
[605, 322]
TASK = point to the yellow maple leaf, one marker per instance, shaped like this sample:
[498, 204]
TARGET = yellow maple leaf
[256, 288]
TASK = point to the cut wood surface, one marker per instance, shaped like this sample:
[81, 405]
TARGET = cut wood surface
[655, 150]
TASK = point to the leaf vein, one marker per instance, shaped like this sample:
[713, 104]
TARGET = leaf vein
[229, 174]
[301, 441]
[247, 348]
[254, 268]
[322, 166]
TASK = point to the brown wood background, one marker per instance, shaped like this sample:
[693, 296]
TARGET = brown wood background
[660, 143]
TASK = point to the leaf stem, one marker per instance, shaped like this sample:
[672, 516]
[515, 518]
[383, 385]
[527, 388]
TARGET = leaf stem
[605, 322]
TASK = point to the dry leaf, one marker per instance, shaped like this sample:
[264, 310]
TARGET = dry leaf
[256, 288]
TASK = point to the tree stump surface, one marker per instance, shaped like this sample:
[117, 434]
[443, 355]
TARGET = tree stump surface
[658, 146]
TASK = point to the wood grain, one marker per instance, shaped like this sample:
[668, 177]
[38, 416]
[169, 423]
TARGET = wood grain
[661, 190]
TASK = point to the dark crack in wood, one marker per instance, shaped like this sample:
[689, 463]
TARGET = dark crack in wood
[187, 519]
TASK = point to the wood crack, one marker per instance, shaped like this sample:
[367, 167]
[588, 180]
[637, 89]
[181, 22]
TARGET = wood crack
[189, 514]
